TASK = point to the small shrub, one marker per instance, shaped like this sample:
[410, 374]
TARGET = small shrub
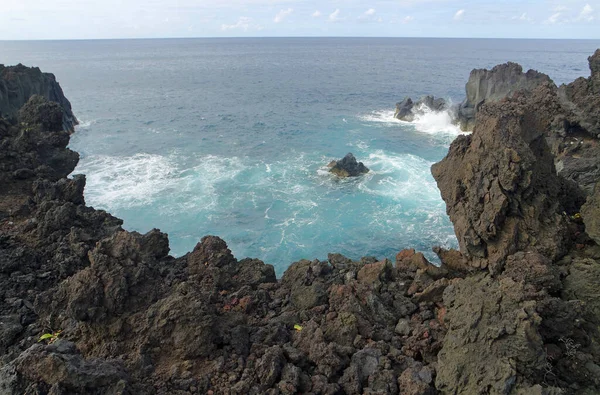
[50, 337]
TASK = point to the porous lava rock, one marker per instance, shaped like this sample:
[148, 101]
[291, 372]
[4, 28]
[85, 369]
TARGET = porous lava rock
[348, 166]
[489, 86]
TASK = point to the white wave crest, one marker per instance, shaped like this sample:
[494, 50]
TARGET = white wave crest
[435, 122]
[84, 124]
[126, 181]
[143, 179]
[382, 116]
[426, 120]
[401, 177]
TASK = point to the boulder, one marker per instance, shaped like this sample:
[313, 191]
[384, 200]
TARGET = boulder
[492, 337]
[61, 366]
[348, 167]
[38, 111]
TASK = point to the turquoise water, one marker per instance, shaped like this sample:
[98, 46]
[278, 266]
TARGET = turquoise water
[231, 136]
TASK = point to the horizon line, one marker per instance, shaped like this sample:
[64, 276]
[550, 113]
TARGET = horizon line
[296, 37]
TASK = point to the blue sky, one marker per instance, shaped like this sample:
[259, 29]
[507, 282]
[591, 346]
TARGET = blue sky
[89, 19]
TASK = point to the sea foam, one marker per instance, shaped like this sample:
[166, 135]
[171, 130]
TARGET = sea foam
[124, 182]
[435, 122]
[426, 121]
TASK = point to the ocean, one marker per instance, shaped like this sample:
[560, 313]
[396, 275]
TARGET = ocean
[231, 137]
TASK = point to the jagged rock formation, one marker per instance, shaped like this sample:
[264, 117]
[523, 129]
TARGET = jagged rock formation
[575, 144]
[499, 183]
[18, 83]
[582, 97]
[407, 110]
[516, 311]
[485, 86]
[574, 128]
[510, 331]
[348, 166]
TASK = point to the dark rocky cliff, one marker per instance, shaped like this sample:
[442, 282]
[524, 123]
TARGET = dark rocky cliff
[18, 83]
[516, 312]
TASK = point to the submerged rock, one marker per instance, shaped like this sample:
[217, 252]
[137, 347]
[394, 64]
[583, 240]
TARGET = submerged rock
[348, 167]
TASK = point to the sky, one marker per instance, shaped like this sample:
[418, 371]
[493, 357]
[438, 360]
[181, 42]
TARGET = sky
[94, 19]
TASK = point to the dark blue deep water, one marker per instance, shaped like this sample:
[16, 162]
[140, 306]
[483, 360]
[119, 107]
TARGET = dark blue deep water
[230, 136]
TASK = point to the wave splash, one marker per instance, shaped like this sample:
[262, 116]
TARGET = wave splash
[434, 122]
[426, 121]
[123, 182]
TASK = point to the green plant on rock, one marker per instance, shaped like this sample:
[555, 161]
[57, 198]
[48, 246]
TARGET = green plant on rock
[50, 337]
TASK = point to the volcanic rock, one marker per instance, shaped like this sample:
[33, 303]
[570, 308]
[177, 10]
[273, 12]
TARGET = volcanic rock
[407, 110]
[404, 110]
[590, 212]
[488, 86]
[348, 167]
[582, 97]
[19, 83]
[133, 319]
[500, 185]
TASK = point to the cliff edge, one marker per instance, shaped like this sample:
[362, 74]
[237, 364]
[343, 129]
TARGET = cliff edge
[18, 83]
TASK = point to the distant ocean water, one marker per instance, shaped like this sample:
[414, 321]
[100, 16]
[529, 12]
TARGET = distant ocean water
[231, 137]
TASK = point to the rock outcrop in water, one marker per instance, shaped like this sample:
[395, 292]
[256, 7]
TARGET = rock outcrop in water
[573, 128]
[348, 166]
[516, 311]
[407, 110]
[18, 83]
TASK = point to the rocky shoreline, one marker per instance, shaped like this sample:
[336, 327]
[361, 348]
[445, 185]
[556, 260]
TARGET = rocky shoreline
[516, 311]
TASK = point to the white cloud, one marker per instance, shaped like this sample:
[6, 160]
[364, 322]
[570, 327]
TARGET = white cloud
[335, 16]
[281, 15]
[408, 19]
[316, 14]
[369, 16]
[244, 23]
[554, 18]
[586, 13]
[523, 17]
[459, 15]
